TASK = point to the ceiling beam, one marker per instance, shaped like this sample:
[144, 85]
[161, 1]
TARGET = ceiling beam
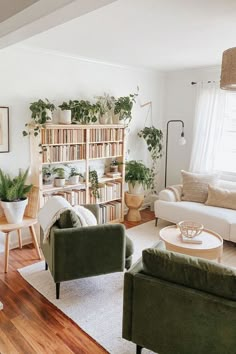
[43, 15]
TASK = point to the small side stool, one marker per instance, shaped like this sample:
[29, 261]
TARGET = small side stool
[134, 202]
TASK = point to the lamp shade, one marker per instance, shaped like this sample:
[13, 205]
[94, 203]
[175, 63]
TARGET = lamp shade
[228, 70]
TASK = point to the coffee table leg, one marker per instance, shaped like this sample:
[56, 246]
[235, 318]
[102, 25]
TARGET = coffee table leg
[6, 251]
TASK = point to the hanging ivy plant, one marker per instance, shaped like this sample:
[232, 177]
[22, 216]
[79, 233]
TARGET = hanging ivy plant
[93, 179]
[154, 141]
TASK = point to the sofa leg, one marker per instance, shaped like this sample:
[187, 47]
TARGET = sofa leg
[156, 220]
[46, 266]
[58, 290]
[138, 349]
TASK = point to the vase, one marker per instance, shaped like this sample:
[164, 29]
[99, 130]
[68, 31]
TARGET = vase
[74, 179]
[137, 188]
[65, 117]
[14, 211]
[49, 116]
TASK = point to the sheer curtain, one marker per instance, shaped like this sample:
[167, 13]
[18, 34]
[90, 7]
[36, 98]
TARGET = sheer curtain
[208, 126]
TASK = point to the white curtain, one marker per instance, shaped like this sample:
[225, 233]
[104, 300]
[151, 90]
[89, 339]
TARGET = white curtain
[208, 126]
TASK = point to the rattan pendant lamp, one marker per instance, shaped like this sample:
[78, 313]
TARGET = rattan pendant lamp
[228, 70]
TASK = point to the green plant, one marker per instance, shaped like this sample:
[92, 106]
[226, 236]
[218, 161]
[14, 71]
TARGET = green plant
[13, 189]
[83, 112]
[105, 103]
[154, 141]
[39, 116]
[124, 105]
[66, 106]
[136, 171]
[60, 172]
[93, 179]
[74, 172]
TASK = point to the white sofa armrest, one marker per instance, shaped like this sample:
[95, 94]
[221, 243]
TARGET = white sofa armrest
[171, 194]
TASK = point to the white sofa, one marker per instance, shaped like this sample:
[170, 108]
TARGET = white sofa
[220, 220]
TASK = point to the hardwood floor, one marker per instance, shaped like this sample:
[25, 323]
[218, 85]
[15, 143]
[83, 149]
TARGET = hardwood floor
[31, 324]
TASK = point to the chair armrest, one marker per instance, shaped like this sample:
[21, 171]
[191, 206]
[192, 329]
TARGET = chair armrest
[85, 251]
[171, 194]
[137, 268]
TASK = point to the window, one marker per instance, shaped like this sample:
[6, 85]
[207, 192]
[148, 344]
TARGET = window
[226, 157]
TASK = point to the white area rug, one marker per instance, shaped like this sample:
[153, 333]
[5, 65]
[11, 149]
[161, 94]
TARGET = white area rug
[95, 303]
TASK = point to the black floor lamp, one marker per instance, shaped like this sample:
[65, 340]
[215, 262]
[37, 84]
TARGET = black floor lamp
[182, 141]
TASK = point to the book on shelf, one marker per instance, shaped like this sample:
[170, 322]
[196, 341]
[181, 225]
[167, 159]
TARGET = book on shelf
[196, 239]
[113, 174]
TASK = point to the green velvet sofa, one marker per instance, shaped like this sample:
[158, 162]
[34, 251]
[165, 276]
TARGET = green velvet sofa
[176, 304]
[73, 251]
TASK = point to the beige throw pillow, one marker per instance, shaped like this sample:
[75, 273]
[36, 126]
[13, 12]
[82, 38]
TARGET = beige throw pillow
[195, 186]
[220, 197]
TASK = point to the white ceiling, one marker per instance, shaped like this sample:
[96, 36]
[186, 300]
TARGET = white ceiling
[160, 34]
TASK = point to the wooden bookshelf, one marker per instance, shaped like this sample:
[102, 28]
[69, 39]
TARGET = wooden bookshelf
[71, 144]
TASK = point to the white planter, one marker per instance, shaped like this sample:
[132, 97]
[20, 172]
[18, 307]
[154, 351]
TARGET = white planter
[49, 116]
[74, 180]
[59, 182]
[65, 117]
[136, 189]
[14, 211]
[116, 118]
[106, 118]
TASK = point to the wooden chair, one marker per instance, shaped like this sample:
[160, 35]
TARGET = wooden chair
[29, 220]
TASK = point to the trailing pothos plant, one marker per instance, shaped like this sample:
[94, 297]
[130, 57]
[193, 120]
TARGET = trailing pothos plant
[40, 114]
[124, 106]
[93, 179]
[154, 141]
[84, 112]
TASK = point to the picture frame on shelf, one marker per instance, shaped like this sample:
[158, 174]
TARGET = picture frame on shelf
[4, 129]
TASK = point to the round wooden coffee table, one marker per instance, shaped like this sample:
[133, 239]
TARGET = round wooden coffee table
[210, 248]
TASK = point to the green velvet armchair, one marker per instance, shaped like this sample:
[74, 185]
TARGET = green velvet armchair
[73, 251]
[176, 304]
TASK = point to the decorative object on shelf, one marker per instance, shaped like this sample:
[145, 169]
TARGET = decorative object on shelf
[114, 166]
[65, 113]
[60, 180]
[123, 109]
[41, 115]
[138, 176]
[190, 229]
[13, 198]
[93, 179]
[74, 176]
[106, 106]
[154, 140]
[48, 172]
[84, 112]
[228, 70]
[4, 129]
[182, 141]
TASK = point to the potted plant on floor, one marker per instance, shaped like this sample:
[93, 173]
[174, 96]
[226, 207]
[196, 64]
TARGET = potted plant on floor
[154, 141]
[123, 109]
[138, 176]
[41, 114]
[13, 197]
[59, 180]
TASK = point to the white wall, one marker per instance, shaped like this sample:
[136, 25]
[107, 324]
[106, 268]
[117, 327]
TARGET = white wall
[179, 104]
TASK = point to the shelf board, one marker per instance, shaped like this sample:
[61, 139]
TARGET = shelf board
[103, 157]
[62, 144]
[84, 126]
[61, 162]
[108, 201]
[105, 141]
[51, 188]
[107, 179]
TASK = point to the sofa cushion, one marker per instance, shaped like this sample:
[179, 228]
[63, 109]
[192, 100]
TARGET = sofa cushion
[192, 272]
[220, 197]
[195, 186]
[68, 219]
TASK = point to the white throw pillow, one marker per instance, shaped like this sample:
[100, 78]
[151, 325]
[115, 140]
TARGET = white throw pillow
[195, 186]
